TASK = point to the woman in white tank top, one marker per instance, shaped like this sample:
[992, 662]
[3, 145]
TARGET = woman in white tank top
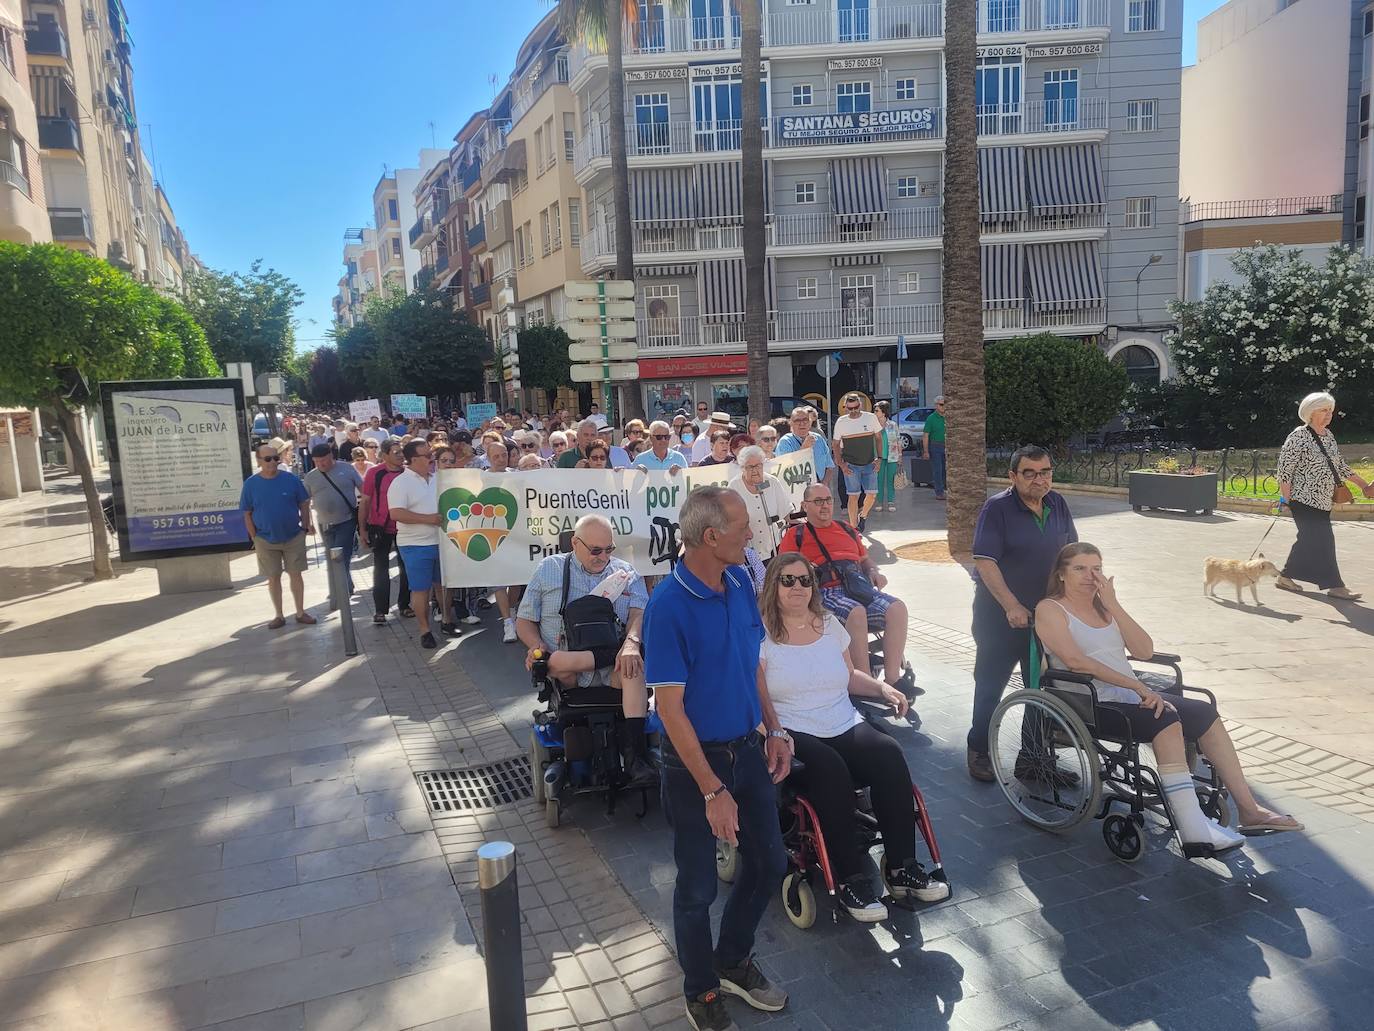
[1085, 629]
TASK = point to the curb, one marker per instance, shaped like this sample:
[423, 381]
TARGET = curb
[1348, 513]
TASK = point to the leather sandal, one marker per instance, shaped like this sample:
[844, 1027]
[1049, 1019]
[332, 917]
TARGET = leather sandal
[1285, 584]
[1344, 594]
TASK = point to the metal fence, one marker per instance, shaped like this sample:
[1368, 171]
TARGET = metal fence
[1240, 472]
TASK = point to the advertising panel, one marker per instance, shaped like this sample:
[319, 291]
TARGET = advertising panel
[178, 459]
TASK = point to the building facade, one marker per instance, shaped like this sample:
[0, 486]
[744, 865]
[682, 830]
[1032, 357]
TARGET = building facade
[23, 211]
[1277, 108]
[1078, 114]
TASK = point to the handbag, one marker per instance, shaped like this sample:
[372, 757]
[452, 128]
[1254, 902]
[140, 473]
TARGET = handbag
[849, 573]
[1341, 495]
[589, 623]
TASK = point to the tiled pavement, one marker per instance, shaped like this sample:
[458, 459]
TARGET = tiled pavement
[193, 835]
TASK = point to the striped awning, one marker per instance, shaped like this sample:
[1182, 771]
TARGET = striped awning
[54, 93]
[846, 260]
[722, 288]
[1064, 276]
[1002, 264]
[858, 189]
[1064, 180]
[1001, 183]
[664, 195]
[720, 193]
[664, 270]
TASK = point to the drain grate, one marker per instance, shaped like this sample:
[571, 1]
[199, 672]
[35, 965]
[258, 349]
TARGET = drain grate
[477, 787]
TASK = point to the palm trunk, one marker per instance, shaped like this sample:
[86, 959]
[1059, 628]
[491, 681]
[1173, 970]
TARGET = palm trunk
[961, 286]
[620, 182]
[101, 568]
[752, 187]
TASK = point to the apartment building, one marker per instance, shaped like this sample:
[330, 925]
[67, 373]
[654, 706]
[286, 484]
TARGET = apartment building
[361, 279]
[439, 235]
[386, 207]
[23, 212]
[1078, 109]
[1277, 109]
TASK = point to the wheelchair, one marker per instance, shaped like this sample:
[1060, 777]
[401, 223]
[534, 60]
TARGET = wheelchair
[575, 744]
[809, 866]
[1070, 731]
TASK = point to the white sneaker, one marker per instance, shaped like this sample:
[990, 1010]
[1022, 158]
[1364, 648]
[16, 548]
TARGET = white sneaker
[509, 636]
[892, 508]
[472, 620]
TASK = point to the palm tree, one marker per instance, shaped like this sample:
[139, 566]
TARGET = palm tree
[602, 23]
[751, 195]
[965, 401]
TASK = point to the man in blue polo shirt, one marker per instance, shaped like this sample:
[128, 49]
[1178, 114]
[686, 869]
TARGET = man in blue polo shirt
[1015, 544]
[659, 455]
[702, 632]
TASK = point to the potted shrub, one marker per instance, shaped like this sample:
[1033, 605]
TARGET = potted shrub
[1191, 489]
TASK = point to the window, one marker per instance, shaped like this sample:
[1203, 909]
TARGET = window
[529, 246]
[1364, 117]
[807, 288]
[806, 193]
[560, 64]
[801, 94]
[1141, 115]
[906, 89]
[538, 152]
[1141, 364]
[393, 213]
[556, 219]
[395, 246]
[1359, 218]
[520, 246]
[856, 305]
[662, 308]
[545, 237]
[569, 136]
[909, 283]
[1369, 23]
[1144, 15]
[534, 317]
[1061, 98]
[853, 96]
[1140, 212]
[651, 123]
[574, 221]
[908, 186]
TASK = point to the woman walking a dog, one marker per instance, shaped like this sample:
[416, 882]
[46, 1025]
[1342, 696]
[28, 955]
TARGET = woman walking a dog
[1312, 478]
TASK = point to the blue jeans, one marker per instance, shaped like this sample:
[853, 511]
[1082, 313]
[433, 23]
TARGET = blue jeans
[862, 478]
[342, 535]
[741, 767]
[937, 467]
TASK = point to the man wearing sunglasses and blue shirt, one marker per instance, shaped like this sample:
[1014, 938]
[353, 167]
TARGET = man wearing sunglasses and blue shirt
[276, 510]
[539, 625]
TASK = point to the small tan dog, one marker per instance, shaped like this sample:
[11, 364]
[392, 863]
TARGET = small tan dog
[1234, 571]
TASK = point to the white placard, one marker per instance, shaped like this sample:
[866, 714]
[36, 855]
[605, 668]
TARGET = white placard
[362, 411]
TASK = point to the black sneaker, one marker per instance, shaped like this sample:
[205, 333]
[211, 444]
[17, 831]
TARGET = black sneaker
[747, 982]
[427, 640]
[452, 629]
[863, 523]
[639, 772]
[910, 880]
[1044, 769]
[707, 1013]
[860, 900]
[906, 684]
[379, 619]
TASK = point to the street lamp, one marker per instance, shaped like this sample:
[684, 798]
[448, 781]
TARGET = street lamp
[1155, 259]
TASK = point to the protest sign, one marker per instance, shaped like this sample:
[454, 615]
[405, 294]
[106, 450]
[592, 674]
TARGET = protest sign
[478, 414]
[409, 404]
[499, 526]
[362, 411]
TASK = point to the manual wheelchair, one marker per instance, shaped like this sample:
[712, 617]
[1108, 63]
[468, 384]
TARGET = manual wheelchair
[1086, 760]
[575, 744]
[808, 862]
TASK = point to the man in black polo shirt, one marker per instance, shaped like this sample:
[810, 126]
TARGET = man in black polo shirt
[1018, 537]
[702, 632]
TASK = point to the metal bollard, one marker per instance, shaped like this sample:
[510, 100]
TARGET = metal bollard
[339, 599]
[501, 936]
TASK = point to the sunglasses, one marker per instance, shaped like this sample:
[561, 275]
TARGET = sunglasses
[661, 436]
[269, 458]
[526, 447]
[789, 580]
[595, 552]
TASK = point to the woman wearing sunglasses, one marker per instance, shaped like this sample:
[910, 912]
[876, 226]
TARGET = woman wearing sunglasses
[598, 457]
[804, 665]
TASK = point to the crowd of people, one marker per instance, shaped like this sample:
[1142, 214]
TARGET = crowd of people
[756, 641]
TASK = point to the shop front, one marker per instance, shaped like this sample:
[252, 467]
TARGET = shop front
[671, 385]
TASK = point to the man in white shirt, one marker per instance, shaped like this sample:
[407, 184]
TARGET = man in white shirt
[413, 498]
[375, 431]
[597, 417]
[858, 443]
[702, 447]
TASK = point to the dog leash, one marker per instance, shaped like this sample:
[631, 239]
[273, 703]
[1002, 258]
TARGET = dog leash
[1274, 522]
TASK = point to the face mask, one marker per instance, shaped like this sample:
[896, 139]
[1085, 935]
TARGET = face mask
[687, 436]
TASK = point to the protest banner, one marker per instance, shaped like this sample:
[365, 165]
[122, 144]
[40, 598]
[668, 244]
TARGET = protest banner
[499, 526]
[409, 404]
[478, 414]
[362, 411]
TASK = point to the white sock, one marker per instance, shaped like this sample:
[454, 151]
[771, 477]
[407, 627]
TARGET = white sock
[1193, 826]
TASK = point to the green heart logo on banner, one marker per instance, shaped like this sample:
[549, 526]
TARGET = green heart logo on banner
[477, 524]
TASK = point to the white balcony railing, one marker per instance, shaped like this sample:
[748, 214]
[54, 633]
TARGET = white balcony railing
[1008, 16]
[823, 229]
[1071, 217]
[1037, 116]
[817, 26]
[1025, 318]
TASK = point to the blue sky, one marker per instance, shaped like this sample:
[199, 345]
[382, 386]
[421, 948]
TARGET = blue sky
[270, 123]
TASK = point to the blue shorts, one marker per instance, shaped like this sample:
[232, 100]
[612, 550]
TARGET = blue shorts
[422, 565]
[862, 478]
[835, 600]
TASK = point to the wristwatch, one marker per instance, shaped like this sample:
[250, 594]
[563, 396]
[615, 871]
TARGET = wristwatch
[635, 638]
[784, 735]
[720, 790]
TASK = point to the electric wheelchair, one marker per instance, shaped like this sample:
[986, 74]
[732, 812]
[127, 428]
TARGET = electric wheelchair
[1085, 761]
[809, 867]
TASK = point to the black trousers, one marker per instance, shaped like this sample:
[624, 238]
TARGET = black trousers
[861, 757]
[1313, 558]
[382, 544]
[1000, 649]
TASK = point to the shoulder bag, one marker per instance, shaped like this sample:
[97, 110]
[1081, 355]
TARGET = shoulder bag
[352, 508]
[589, 623]
[1341, 495]
[847, 572]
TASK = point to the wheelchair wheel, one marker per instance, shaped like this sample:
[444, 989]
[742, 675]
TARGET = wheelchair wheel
[727, 861]
[799, 901]
[551, 813]
[1123, 837]
[1045, 760]
[539, 758]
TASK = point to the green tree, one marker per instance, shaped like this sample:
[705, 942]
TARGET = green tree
[544, 361]
[64, 314]
[1046, 389]
[425, 345]
[325, 382]
[1246, 353]
[247, 317]
[362, 363]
